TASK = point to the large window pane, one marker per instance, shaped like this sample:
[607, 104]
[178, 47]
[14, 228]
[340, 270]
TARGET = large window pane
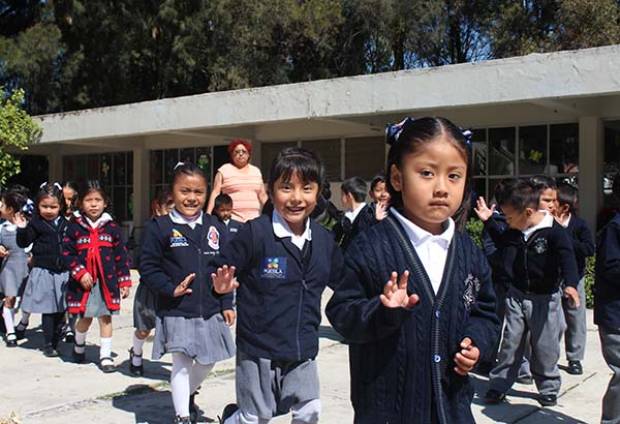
[532, 150]
[480, 151]
[171, 158]
[157, 158]
[564, 149]
[502, 151]
[480, 188]
[328, 152]
[105, 170]
[364, 157]
[119, 168]
[269, 151]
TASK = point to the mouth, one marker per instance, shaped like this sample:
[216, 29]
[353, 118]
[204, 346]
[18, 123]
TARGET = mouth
[295, 210]
[439, 204]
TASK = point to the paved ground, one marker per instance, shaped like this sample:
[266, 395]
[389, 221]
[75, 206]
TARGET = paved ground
[36, 389]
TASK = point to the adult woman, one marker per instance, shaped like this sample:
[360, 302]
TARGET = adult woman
[241, 181]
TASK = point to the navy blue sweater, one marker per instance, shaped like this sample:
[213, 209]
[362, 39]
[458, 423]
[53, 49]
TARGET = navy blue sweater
[170, 252]
[402, 360]
[233, 227]
[279, 297]
[495, 226]
[46, 239]
[607, 281]
[583, 242]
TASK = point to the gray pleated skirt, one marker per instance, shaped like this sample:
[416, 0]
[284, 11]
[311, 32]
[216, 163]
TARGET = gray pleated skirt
[96, 306]
[45, 292]
[205, 340]
[144, 306]
[13, 272]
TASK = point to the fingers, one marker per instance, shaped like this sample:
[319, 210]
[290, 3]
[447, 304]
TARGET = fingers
[404, 279]
[189, 279]
[391, 285]
[413, 300]
[466, 342]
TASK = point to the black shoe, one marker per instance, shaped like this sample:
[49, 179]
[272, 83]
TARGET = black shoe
[548, 400]
[50, 351]
[493, 397]
[194, 411]
[574, 368]
[106, 364]
[78, 358]
[20, 334]
[69, 337]
[526, 379]
[182, 420]
[135, 370]
[11, 340]
[229, 409]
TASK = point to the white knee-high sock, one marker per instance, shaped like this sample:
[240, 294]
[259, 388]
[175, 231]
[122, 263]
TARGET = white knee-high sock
[80, 339]
[137, 350]
[105, 351]
[8, 314]
[198, 374]
[179, 383]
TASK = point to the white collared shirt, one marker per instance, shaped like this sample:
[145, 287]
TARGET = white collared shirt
[355, 212]
[178, 218]
[105, 217]
[281, 229]
[565, 223]
[431, 249]
[547, 222]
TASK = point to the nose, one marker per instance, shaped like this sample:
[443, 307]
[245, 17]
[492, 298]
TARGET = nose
[441, 186]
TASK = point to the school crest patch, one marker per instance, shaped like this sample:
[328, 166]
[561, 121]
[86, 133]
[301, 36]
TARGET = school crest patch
[472, 287]
[213, 238]
[540, 245]
[274, 267]
[177, 239]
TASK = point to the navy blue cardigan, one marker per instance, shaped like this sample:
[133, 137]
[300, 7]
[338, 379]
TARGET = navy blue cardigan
[46, 239]
[402, 360]
[583, 242]
[607, 281]
[172, 251]
[279, 296]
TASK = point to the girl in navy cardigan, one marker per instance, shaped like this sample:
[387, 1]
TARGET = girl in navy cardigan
[191, 323]
[47, 283]
[417, 305]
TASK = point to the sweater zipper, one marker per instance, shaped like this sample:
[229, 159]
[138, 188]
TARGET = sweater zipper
[299, 309]
[199, 285]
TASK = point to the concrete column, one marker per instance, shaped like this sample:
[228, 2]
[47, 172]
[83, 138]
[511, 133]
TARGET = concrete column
[591, 149]
[141, 185]
[54, 161]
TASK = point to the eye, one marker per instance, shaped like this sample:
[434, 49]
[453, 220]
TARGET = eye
[455, 176]
[426, 173]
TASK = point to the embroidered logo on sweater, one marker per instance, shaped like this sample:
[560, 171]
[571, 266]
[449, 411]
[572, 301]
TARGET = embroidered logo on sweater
[540, 245]
[274, 267]
[177, 239]
[213, 238]
[472, 287]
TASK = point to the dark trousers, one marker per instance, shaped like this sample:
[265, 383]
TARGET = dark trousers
[52, 327]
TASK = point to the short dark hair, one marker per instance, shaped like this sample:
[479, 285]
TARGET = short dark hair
[222, 199]
[503, 189]
[295, 160]
[89, 186]
[543, 182]
[379, 178]
[568, 195]
[50, 190]
[356, 187]
[522, 195]
[14, 200]
[186, 168]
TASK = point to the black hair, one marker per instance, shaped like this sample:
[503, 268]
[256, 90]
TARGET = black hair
[542, 183]
[89, 186]
[188, 169]
[14, 200]
[503, 188]
[356, 187]
[294, 160]
[222, 199]
[18, 188]
[568, 195]
[406, 137]
[73, 186]
[50, 190]
[379, 178]
[523, 194]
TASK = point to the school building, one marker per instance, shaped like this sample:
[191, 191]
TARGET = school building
[556, 114]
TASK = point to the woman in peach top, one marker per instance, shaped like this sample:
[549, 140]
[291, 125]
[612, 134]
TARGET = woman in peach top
[241, 181]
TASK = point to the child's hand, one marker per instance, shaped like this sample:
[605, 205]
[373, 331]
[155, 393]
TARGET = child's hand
[229, 316]
[224, 280]
[380, 211]
[182, 289]
[3, 251]
[467, 358]
[395, 294]
[86, 281]
[573, 296]
[124, 292]
[482, 210]
[20, 220]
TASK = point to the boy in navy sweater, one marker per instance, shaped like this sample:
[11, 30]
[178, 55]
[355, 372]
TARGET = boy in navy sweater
[222, 208]
[539, 254]
[583, 244]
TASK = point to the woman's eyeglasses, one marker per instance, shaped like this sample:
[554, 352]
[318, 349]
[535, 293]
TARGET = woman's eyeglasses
[240, 152]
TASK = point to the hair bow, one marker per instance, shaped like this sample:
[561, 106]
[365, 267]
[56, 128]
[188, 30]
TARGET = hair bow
[393, 131]
[177, 165]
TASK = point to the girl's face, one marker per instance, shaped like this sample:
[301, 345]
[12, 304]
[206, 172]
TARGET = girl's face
[240, 156]
[295, 200]
[432, 182]
[189, 194]
[93, 205]
[548, 200]
[69, 194]
[379, 193]
[49, 208]
[6, 212]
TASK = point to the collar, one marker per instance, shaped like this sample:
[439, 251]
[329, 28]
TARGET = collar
[282, 230]
[546, 222]
[355, 212]
[179, 218]
[104, 218]
[418, 235]
[566, 223]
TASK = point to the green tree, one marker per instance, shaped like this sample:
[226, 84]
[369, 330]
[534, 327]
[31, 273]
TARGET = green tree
[17, 130]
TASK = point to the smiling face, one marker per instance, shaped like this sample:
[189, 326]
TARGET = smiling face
[432, 182]
[93, 205]
[295, 200]
[379, 193]
[49, 208]
[189, 194]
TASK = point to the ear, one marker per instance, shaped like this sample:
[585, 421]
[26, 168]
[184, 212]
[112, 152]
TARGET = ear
[529, 212]
[396, 178]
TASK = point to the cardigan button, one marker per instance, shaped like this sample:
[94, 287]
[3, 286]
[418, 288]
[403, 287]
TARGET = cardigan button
[436, 358]
[437, 314]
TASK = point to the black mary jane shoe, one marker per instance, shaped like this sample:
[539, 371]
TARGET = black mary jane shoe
[78, 358]
[493, 397]
[574, 368]
[106, 364]
[11, 340]
[50, 351]
[548, 400]
[135, 370]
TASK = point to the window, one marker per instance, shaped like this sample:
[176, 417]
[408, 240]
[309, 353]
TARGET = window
[329, 153]
[532, 150]
[269, 151]
[502, 151]
[364, 157]
[564, 149]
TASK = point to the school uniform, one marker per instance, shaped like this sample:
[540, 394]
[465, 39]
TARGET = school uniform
[282, 277]
[607, 313]
[173, 248]
[14, 268]
[576, 327]
[401, 360]
[96, 248]
[233, 227]
[353, 222]
[541, 257]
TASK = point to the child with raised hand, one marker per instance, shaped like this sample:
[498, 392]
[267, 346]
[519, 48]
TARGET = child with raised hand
[284, 262]
[14, 268]
[96, 256]
[191, 323]
[417, 305]
[47, 283]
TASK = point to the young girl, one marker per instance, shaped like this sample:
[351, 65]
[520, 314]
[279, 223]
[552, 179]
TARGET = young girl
[145, 300]
[416, 303]
[191, 322]
[284, 261]
[47, 282]
[14, 267]
[95, 254]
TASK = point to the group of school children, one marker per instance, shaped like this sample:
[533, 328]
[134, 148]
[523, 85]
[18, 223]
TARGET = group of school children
[413, 296]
